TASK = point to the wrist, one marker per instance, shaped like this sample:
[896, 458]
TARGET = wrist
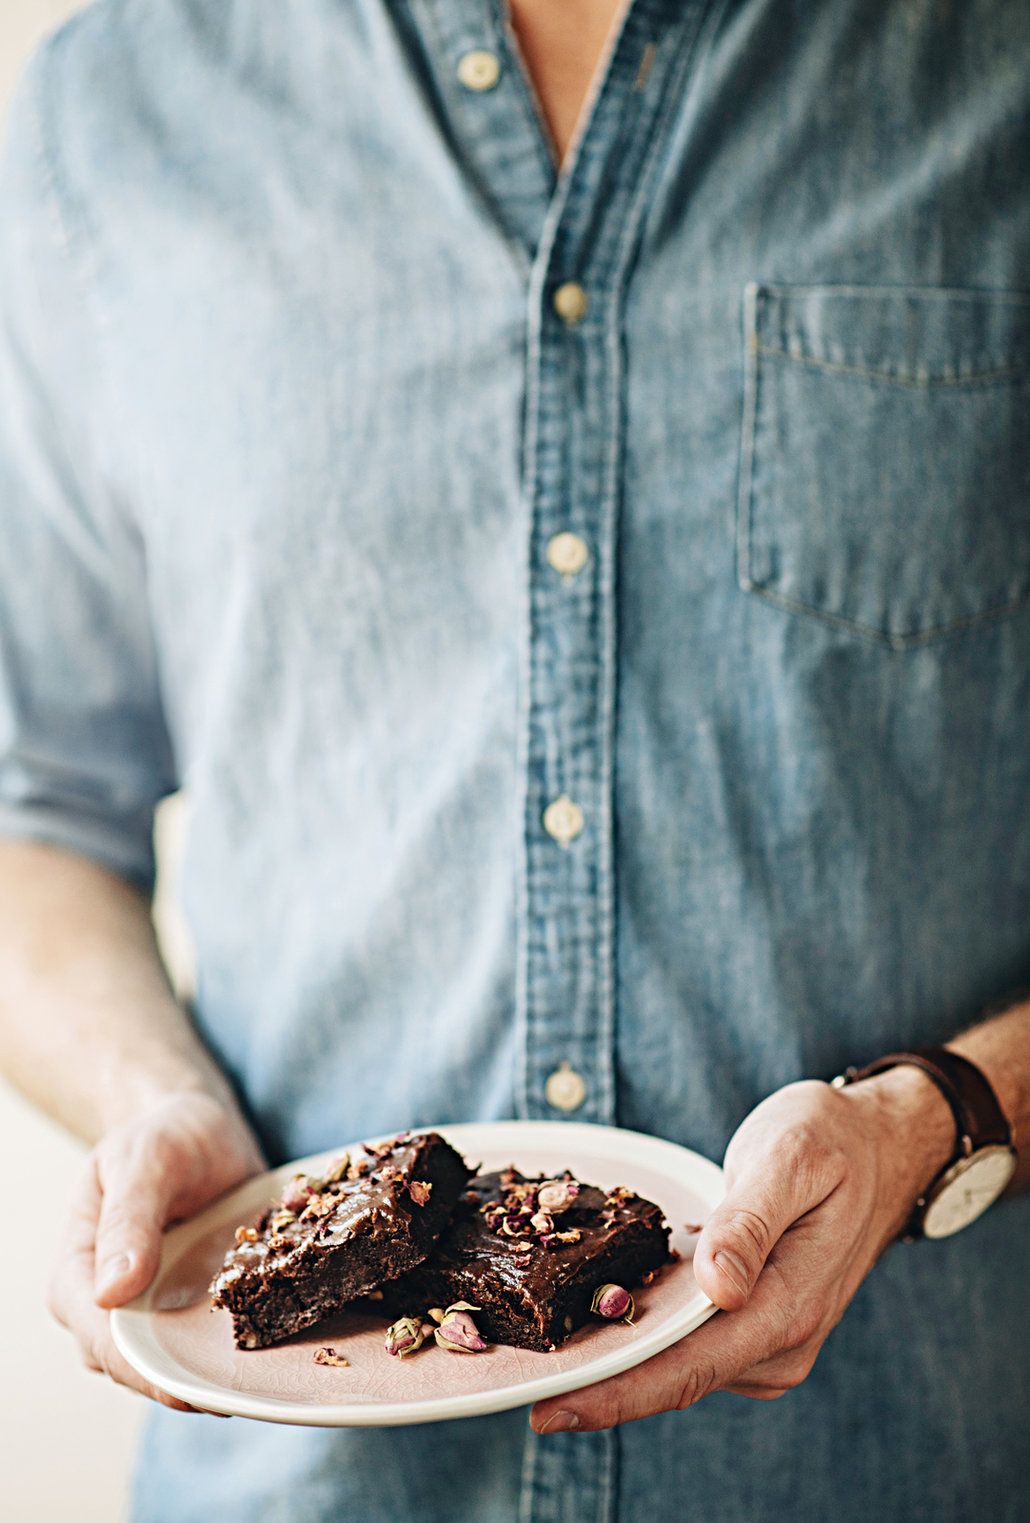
[915, 1135]
[134, 1097]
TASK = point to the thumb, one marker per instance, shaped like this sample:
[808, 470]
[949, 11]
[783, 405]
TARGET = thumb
[133, 1214]
[742, 1232]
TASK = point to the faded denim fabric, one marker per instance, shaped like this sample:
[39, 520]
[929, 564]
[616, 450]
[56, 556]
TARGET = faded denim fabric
[287, 423]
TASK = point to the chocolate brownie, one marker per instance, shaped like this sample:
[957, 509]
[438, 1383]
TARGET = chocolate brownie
[531, 1252]
[373, 1214]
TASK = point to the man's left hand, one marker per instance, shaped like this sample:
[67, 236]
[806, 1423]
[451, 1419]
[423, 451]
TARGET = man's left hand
[819, 1181]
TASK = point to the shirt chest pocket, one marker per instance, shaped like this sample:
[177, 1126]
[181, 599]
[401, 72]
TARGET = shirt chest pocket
[885, 467]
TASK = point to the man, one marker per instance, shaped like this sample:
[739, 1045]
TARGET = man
[573, 547]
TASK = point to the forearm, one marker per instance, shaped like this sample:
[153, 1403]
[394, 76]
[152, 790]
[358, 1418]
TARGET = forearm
[920, 1117]
[89, 1027]
[1000, 1047]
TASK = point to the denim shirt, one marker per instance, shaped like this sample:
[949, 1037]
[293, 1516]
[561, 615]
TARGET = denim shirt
[589, 614]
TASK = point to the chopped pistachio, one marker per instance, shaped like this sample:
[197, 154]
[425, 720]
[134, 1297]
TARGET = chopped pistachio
[337, 1171]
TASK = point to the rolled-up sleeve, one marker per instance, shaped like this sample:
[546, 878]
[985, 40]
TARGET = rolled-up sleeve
[84, 749]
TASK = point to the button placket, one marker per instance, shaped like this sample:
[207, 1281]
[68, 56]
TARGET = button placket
[508, 164]
[580, 238]
[572, 472]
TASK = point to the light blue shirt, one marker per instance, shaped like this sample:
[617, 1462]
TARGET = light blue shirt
[631, 684]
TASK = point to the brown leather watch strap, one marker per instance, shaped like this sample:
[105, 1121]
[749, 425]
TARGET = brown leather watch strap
[973, 1102]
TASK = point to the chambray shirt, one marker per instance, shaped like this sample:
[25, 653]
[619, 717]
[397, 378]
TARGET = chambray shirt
[589, 614]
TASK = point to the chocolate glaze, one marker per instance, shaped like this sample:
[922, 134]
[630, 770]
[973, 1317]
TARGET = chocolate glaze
[352, 1234]
[534, 1298]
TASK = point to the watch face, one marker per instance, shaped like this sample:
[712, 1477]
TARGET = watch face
[967, 1189]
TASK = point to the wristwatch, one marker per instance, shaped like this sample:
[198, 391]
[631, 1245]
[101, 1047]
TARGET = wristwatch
[985, 1156]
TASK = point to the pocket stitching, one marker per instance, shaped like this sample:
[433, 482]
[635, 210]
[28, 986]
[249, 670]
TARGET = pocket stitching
[1001, 375]
[884, 636]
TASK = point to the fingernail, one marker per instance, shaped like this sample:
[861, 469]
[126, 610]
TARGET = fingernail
[733, 1269]
[561, 1422]
[113, 1270]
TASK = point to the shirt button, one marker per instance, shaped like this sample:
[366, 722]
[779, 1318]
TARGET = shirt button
[570, 302]
[565, 1089]
[567, 553]
[563, 820]
[479, 70]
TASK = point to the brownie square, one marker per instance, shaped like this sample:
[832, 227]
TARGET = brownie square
[533, 1271]
[374, 1214]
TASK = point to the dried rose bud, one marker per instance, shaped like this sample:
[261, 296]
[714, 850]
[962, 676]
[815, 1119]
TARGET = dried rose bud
[555, 1196]
[458, 1332]
[295, 1196]
[405, 1336]
[541, 1222]
[437, 1313]
[613, 1302]
[420, 1191]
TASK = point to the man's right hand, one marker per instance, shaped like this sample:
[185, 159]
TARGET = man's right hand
[158, 1169]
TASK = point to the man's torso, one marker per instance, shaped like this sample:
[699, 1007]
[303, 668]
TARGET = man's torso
[786, 690]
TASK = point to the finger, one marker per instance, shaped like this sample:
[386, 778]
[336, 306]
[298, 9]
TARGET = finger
[785, 1371]
[71, 1299]
[136, 1192]
[706, 1360]
[75, 1251]
[760, 1205]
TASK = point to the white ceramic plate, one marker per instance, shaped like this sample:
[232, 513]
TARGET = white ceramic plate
[173, 1338]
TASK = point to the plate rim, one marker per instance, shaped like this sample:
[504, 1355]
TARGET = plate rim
[134, 1337]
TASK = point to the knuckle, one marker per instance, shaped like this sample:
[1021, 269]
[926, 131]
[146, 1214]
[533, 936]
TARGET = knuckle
[753, 1230]
[607, 1414]
[92, 1356]
[796, 1144]
[800, 1325]
[810, 1158]
[795, 1369]
[697, 1381]
[55, 1300]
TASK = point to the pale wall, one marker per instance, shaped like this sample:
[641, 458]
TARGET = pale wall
[66, 1435]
